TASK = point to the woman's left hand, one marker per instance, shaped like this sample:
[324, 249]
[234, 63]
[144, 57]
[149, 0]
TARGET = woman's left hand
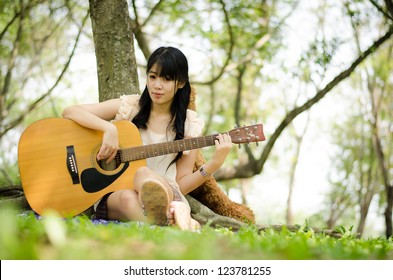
[223, 145]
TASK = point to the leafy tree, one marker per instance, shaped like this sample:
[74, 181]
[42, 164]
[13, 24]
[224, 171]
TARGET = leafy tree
[35, 54]
[33, 38]
[374, 79]
[355, 175]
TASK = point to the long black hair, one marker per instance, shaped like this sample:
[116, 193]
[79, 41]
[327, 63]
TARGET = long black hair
[173, 65]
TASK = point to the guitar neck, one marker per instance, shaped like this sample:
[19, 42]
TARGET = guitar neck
[154, 150]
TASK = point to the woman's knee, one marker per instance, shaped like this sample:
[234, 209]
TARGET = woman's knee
[124, 205]
[142, 172]
[122, 201]
[140, 176]
[127, 198]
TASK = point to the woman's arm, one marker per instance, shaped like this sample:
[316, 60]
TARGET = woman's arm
[97, 117]
[94, 116]
[189, 180]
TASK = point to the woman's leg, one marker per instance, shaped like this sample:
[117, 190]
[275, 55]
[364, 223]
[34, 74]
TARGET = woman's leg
[124, 205]
[147, 202]
[178, 212]
[155, 194]
[155, 201]
[143, 174]
[150, 201]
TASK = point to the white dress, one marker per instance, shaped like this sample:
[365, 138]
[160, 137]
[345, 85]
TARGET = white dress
[129, 107]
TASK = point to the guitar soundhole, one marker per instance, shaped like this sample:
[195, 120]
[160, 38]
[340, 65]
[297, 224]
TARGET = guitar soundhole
[113, 165]
[107, 166]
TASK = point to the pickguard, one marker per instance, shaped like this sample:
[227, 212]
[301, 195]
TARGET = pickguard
[94, 181]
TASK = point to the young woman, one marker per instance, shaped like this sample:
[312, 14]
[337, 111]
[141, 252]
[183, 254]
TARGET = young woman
[156, 194]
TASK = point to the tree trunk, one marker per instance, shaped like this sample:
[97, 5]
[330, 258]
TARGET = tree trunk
[382, 161]
[362, 220]
[114, 48]
[388, 211]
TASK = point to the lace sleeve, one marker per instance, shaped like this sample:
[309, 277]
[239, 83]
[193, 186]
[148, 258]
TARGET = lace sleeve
[129, 107]
[193, 125]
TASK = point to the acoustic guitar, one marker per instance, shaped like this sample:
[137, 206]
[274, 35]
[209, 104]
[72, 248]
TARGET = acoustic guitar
[59, 170]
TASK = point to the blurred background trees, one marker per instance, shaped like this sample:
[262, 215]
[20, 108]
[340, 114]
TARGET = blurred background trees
[316, 74]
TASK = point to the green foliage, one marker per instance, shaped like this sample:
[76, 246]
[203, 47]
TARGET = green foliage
[26, 237]
[356, 177]
[36, 45]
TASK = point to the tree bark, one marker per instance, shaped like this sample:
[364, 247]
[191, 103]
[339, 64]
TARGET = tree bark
[388, 211]
[382, 160]
[13, 196]
[114, 48]
[206, 216]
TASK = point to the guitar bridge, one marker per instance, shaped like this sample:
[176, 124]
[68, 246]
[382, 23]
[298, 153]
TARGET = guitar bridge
[71, 165]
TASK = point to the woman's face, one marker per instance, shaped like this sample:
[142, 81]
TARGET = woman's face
[161, 89]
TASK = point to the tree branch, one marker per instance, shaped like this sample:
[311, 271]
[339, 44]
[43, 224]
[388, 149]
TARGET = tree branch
[322, 93]
[389, 6]
[8, 25]
[11, 64]
[248, 170]
[39, 100]
[137, 28]
[229, 52]
[38, 48]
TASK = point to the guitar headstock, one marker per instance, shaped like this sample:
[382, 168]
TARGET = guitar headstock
[247, 134]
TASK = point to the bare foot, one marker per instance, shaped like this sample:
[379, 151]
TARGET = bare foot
[182, 216]
[155, 200]
[194, 224]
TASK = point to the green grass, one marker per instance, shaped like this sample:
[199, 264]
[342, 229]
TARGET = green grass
[25, 237]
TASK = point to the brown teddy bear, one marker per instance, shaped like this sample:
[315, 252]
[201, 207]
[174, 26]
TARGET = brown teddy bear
[212, 196]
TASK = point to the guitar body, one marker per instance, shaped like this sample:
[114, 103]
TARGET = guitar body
[59, 170]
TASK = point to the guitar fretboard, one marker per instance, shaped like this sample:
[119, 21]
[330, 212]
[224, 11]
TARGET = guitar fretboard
[154, 150]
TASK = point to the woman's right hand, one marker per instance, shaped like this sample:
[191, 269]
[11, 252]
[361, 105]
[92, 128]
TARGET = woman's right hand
[110, 144]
